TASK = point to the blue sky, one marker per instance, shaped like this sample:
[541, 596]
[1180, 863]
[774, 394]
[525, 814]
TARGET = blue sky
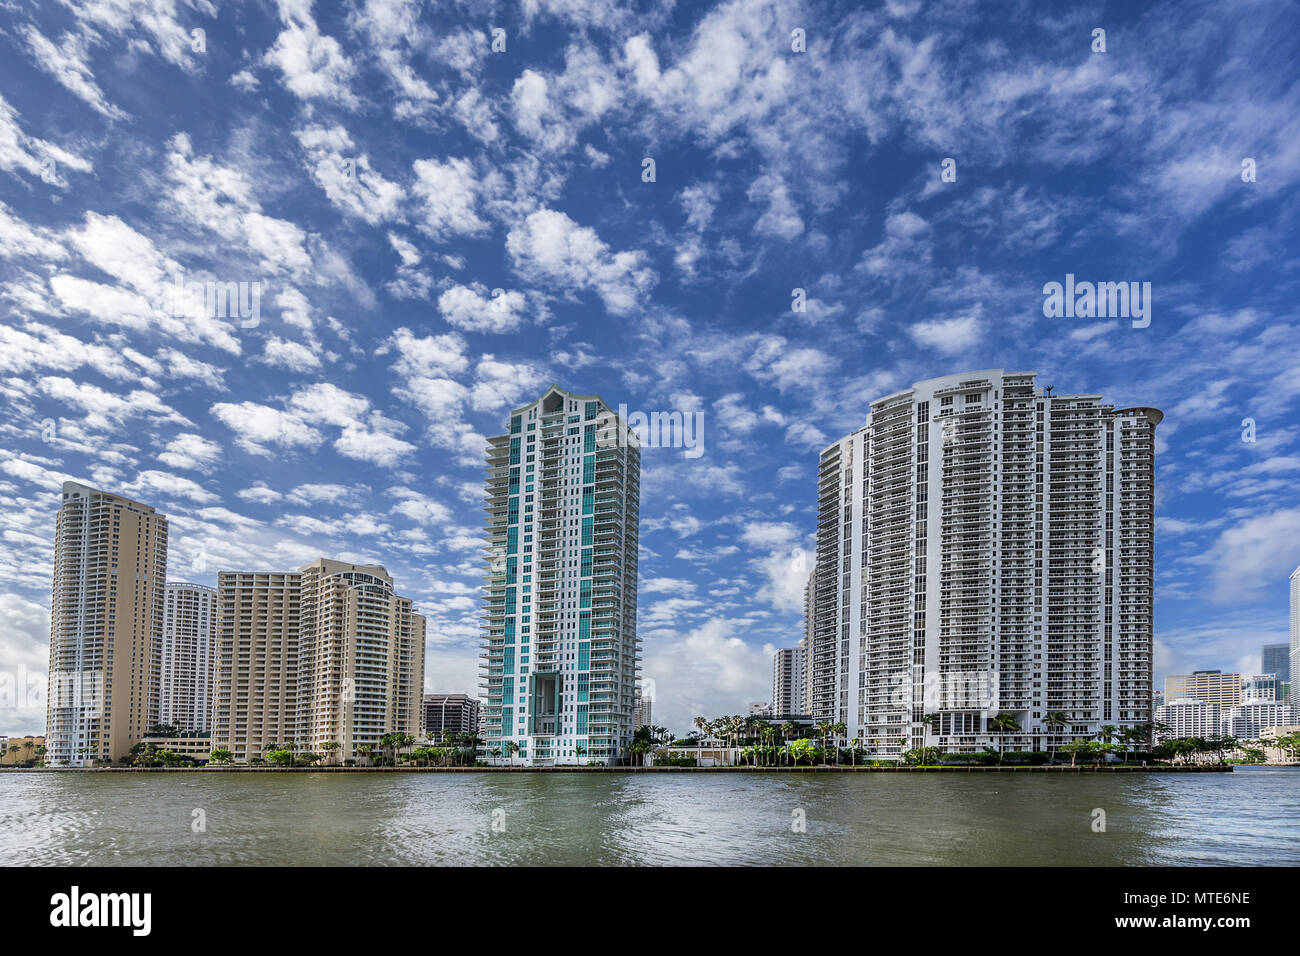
[438, 231]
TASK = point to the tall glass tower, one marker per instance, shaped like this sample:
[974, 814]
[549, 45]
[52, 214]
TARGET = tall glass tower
[561, 657]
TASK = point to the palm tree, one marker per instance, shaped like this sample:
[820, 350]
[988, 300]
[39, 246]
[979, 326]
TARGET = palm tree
[931, 723]
[1003, 723]
[853, 752]
[511, 748]
[770, 732]
[838, 730]
[1057, 719]
[329, 746]
[581, 751]
[40, 753]
[495, 754]
[823, 730]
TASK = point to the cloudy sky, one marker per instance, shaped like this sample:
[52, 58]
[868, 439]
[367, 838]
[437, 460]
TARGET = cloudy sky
[445, 207]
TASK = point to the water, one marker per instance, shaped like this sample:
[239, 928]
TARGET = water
[1242, 818]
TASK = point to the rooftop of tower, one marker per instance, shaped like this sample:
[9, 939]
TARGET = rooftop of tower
[78, 489]
[556, 390]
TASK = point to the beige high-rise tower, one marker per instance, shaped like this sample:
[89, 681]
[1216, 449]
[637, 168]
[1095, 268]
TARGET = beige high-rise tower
[106, 617]
[362, 657]
[325, 654]
[255, 661]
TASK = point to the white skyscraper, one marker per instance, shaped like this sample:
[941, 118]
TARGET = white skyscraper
[985, 547]
[184, 693]
[1293, 697]
[561, 655]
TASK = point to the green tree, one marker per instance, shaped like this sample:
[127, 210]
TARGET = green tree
[1055, 719]
[1003, 723]
[220, 755]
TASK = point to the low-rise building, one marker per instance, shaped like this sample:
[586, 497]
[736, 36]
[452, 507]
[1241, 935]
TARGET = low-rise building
[16, 751]
[1268, 737]
[1248, 720]
[197, 745]
[450, 714]
[1188, 717]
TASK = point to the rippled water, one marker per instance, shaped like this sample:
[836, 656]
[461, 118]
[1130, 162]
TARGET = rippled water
[1246, 817]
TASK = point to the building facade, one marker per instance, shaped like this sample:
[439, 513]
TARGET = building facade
[643, 710]
[21, 750]
[450, 714]
[1188, 717]
[106, 621]
[985, 547]
[185, 691]
[1249, 719]
[1293, 697]
[1276, 659]
[255, 675]
[788, 680]
[326, 654]
[361, 658]
[1216, 687]
[1257, 688]
[561, 657]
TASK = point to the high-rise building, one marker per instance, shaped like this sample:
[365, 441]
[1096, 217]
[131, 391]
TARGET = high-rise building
[788, 681]
[1293, 697]
[642, 709]
[106, 620]
[561, 654]
[1261, 688]
[1276, 659]
[983, 547]
[1216, 687]
[255, 674]
[808, 642]
[361, 657]
[328, 653]
[450, 714]
[184, 686]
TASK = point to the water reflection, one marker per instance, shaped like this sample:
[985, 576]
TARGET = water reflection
[616, 820]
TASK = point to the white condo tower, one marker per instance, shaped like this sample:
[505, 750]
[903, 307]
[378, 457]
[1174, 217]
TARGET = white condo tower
[984, 547]
[561, 657]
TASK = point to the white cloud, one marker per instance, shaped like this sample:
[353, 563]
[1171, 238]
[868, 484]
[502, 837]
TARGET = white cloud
[949, 336]
[475, 309]
[707, 672]
[313, 65]
[66, 62]
[448, 193]
[188, 450]
[550, 247]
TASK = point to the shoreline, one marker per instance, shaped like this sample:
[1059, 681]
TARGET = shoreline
[1226, 768]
